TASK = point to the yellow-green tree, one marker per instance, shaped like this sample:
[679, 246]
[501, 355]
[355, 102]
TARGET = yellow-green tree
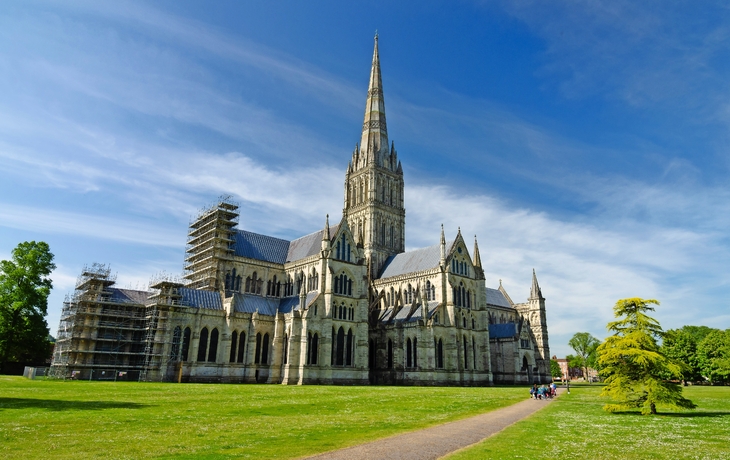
[632, 363]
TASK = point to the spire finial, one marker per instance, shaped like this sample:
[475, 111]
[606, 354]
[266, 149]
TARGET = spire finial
[477, 257]
[535, 292]
[443, 246]
[374, 131]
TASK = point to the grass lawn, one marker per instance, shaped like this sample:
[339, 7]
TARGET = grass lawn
[575, 426]
[73, 419]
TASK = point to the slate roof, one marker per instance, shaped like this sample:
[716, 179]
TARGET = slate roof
[269, 249]
[308, 245]
[413, 261]
[260, 247]
[210, 300]
[128, 296]
[495, 297]
[403, 312]
[502, 331]
[249, 303]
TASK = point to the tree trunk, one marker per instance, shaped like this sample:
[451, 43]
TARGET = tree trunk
[653, 409]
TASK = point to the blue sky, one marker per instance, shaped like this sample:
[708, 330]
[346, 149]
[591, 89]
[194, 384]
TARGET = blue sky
[586, 139]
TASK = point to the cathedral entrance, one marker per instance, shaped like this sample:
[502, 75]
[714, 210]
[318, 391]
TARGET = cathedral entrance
[527, 367]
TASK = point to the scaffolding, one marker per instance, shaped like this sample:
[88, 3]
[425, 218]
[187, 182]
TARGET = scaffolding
[161, 349]
[100, 335]
[210, 243]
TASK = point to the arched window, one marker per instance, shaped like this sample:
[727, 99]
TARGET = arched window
[237, 287]
[333, 348]
[392, 236]
[175, 350]
[463, 322]
[234, 340]
[349, 346]
[409, 357]
[314, 350]
[390, 354]
[285, 349]
[474, 352]
[185, 344]
[338, 253]
[228, 281]
[415, 352]
[202, 344]
[466, 359]
[433, 292]
[440, 354]
[241, 347]
[265, 350]
[248, 284]
[473, 324]
[340, 356]
[213, 349]
[257, 356]
[428, 290]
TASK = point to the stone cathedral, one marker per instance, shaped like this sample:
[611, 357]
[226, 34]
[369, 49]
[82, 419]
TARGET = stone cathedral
[344, 305]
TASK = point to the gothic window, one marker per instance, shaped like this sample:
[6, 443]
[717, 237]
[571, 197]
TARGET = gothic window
[228, 281]
[285, 350]
[474, 352]
[175, 350]
[473, 324]
[433, 292]
[338, 257]
[466, 360]
[463, 321]
[265, 350]
[408, 353]
[314, 349]
[278, 289]
[213, 349]
[333, 348]
[415, 352]
[257, 356]
[234, 339]
[241, 347]
[440, 354]
[268, 288]
[382, 234]
[392, 236]
[390, 354]
[202, 344]
[428, 290]
[248, 284]
[350, 343]
[237, 287]
[468, 299]
[340, 351]
[185, 344]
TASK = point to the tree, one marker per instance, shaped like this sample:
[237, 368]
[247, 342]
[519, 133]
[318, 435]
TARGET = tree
[24, 290]
[633, 364]
[713, 356]
[585, 346]
[680, 345]
[555, 369]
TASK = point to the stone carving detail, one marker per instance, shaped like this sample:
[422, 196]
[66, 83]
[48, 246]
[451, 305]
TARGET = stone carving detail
[375, 124]
[375, 92]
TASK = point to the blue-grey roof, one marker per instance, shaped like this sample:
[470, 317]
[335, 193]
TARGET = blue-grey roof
[502, 331]
[308, 245]
[128, 296]
[260, 247]
[269, 249]
[249, 303]
[402, 314]
[413, 261]
[210, 300]
[495, 297]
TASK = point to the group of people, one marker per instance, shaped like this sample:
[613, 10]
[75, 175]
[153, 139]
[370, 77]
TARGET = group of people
[543, 391]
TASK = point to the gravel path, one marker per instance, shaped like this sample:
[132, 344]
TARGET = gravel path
[439, 440]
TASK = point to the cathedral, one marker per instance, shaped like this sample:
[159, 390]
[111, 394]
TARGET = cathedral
[345, 305]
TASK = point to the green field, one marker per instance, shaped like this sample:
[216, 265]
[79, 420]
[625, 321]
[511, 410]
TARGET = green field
[72, 419]
[575, 426]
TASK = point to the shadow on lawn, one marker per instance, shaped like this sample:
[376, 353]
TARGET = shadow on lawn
[61, 405]
[677, 414]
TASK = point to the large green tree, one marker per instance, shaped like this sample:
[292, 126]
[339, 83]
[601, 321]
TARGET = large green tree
[585, 346]
[24, 289]
[632, 363]
[555, 370]
[681, 346]
[713, 356]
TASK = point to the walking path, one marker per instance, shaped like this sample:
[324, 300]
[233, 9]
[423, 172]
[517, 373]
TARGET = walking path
[439, 440]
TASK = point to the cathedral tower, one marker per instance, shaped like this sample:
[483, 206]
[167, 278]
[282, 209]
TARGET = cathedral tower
[374, 206]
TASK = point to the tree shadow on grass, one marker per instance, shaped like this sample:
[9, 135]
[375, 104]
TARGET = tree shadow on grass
[62, 405]
[677, 414]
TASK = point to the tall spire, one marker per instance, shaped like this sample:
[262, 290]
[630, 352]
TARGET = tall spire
[535, 292]
[443, 246]
[374, 128]
[477, 257]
